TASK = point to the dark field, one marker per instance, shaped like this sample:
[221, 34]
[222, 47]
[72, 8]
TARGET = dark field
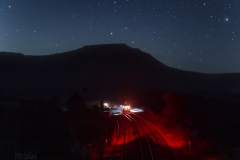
[40, 130]
[211, 124]
[37, 130]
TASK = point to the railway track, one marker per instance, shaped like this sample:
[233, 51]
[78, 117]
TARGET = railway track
[119, 148]
[137, 138]
[161, 146]
[126, 144]
[146, 151]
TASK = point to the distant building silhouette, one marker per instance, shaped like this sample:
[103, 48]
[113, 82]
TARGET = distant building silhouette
[75, 104]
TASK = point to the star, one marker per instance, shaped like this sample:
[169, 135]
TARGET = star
[226, 19]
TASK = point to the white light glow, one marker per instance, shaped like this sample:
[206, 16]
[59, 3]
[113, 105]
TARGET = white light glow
[135, 110]
[106, 104]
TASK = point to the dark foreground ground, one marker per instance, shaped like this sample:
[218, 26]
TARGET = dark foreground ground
[211, 125]
[37, 130]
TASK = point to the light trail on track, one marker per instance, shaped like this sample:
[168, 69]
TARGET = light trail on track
[143, 137]
[118, 120]
[137, 138]
[162, 145]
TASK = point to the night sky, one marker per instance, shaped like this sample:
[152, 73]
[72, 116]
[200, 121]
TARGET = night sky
[194, 35]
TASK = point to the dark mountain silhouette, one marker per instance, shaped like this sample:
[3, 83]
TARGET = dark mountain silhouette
[101, 71]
